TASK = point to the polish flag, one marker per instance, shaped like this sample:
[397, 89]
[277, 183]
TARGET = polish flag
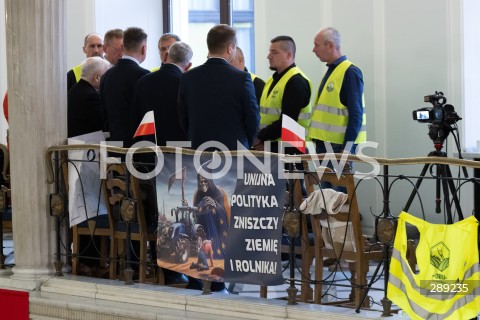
[293, 133]
[147, 126]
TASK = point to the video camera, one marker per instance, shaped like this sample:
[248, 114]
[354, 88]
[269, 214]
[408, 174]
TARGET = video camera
[442, 118]
[440, 113]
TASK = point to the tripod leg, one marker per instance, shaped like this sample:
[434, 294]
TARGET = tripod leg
[417, 186]
[446, 198]
[438, 200]
[453, 191]
[365, 292]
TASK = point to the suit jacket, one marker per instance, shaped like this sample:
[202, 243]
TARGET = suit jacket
[116, 89]
[158, 91]
[83, 109]
[71, 80]
[258, 84]
[217, 102]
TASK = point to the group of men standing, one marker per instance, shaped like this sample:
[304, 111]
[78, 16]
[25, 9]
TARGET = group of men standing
[218, 105]
[218, 102]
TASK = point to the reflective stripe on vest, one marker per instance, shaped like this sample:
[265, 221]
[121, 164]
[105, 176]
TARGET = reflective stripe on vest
[77, 70]
[271, 104]
[440, 261]
[330, 117]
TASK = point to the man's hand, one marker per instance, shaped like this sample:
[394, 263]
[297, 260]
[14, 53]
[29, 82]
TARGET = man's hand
[258, 145]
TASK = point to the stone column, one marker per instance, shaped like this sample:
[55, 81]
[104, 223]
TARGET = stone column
[36, 57]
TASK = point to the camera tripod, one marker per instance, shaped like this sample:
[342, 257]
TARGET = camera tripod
[443, 179]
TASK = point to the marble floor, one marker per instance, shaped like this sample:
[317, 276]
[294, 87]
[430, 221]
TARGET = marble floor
[331, 293]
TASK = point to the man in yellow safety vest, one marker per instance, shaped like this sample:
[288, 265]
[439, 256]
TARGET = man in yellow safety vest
[92, 47]
[338, 120]
[287, 92]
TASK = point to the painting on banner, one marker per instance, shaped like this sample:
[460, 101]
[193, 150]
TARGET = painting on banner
[85, 195]
[197, 198]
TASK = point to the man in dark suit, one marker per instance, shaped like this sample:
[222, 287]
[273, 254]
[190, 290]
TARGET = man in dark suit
[158, 91]
[216, 101]
[118, 83]
[217, 104]
[84, 105]
[84, 115]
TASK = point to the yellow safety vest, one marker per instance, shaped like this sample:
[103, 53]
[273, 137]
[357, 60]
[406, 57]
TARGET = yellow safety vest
[330, 116]
[271, 104]
[253, 76]
[447, 285]
[77, 71]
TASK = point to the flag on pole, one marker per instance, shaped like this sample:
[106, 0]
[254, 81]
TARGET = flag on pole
[147, 126]
[293, 133]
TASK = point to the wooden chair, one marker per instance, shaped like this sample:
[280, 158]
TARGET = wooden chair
[96, 227]
[5, 185]
[305, 249]
[4, 165]
[123, 189]
[6, 208]
[358, 254]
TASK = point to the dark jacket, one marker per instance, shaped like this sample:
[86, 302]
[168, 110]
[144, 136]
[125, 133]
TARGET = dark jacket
[84, 109]
[71, 80]
[116, 89]
[158, 91]
[217, 102]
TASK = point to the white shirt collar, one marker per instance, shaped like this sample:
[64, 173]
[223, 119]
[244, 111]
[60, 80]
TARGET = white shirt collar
[174, 65]
[218, 58]
[130, 58]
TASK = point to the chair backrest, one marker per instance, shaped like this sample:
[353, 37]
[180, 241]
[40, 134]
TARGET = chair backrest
[5, 186]
[4, 165]
[348, 216]
[122, 190]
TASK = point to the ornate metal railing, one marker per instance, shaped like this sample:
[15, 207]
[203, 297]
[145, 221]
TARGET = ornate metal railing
[383, 187]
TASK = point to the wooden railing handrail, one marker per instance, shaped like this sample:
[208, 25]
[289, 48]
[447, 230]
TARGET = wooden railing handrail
[356, 158]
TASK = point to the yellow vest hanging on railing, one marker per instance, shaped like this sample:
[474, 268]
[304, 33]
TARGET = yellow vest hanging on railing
[447, 285]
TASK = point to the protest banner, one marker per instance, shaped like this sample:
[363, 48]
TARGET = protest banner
[85, 196]
[220, 227]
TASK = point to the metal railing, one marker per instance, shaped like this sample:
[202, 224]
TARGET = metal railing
[434, 172]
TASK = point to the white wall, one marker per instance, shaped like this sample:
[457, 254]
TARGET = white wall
[471, 45]
[86, 16]
[146, 14]
[80, 22]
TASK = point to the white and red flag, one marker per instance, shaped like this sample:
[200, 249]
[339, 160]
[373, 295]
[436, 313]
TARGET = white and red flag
[293, 133]
[147, 126]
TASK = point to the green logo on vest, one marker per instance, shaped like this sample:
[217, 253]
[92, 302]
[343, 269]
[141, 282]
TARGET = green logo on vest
[274, 92]
[440, 256]
[330, 86]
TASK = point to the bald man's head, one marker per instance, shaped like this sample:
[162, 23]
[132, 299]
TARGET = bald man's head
[93, 45]
[239, 60]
